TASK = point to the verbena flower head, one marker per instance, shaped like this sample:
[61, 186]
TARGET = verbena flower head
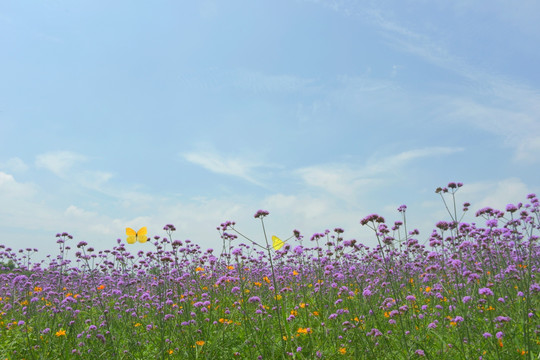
[485, 291]
[261, 214]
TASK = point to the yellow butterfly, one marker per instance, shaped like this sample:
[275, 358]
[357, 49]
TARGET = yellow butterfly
[277, 243]
[134, 236]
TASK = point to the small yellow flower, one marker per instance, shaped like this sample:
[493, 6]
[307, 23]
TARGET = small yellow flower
[200, 343]
[342, 351]
[61, 332]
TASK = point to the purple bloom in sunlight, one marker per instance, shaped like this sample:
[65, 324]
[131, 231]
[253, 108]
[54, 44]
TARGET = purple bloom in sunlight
[261, 213]
[491, 223]
[237, 252]
[298, 250]
[511, 208]
[485, 291]
[366, 293]
[466, 299]
[254, 299]
[499, 335]
[432, 325]
[420, 352]
[486, 335]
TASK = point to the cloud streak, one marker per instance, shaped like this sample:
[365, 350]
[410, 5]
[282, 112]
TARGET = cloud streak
[348, 181]
[231, 166]
[59, 162]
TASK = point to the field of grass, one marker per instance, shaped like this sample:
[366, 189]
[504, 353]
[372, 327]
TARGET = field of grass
[471, 292]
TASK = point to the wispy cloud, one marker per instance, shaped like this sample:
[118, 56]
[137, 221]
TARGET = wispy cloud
[493, 103]
[14, 164]
[216, 163]
[11, 189]
[259, 82]
[347, 181]
[59, 162]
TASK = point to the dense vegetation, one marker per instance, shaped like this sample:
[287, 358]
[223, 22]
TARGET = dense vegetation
[471, 292]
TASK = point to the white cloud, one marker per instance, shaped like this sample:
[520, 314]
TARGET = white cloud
[59, 162]
[348, 181]
[14, 164]
[94, 179]
[11, 189]
[496, 194]
[233, 166]
[519, 127]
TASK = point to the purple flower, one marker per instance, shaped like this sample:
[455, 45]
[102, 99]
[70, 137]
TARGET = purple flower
[260, 214]
[499, 335]
[486, 335]
[511, 208]
[485, 291]
[491, 223]
[466, 299]
[420, 352]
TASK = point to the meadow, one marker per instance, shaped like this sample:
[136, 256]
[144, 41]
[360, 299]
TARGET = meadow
[471, 291]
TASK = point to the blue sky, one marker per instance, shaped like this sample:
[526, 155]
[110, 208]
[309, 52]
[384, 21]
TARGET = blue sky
[116, 114]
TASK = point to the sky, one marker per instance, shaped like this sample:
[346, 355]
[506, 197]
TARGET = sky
[130, 114]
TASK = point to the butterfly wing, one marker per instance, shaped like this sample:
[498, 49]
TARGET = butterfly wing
[277, 243]
[132, 236]
[141, 235]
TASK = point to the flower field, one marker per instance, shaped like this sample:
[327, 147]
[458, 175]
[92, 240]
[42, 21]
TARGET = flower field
[470, 292]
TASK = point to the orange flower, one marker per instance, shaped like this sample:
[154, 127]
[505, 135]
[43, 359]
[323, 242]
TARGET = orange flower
[61, 333]
[101, 287]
